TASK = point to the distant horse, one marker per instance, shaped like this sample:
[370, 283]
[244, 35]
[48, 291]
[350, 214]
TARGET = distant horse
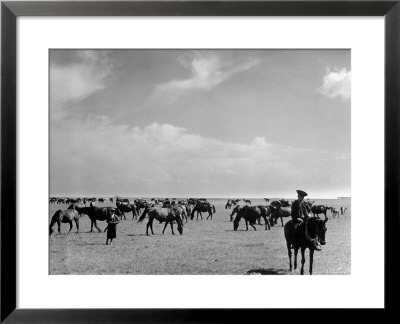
[308, 235]
[167, 215]
[247, 201]
[251, 215]
[64, 216]
[185, 211]
[126, 208]
[267, 200]
[319, 209]
[335, 212]
[284, 203]
[75, 205]
[231, 203]
[97, 214]
[140, 203]
[202, 207]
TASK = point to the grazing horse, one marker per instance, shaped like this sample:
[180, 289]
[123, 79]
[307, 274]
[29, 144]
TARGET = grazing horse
[279, 213]
[251, 214]
[167, 215]
[126, 208]
[310, 234]
[64, 216]
[203, 207]
[97, 214]
[235, 211]
[319, 209]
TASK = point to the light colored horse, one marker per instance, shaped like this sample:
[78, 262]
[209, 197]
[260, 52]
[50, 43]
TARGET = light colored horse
[167, 215]
[64, 216]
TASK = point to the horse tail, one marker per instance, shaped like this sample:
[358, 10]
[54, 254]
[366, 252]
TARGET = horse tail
[143, 214]
[213, 207]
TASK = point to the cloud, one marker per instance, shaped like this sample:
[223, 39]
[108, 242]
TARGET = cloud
[163, 159]
[207, 70]
[72, 81]
[336, 83]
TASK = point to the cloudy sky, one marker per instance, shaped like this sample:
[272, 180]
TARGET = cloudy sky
[210, 123]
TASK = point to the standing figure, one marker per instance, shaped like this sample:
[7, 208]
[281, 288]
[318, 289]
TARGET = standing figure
[111, 228]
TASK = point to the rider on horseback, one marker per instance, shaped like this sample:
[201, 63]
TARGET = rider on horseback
[299, 211]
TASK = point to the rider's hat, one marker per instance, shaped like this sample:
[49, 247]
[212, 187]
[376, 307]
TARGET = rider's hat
[301, 193]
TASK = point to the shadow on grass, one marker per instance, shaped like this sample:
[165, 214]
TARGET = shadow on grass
[269, 271]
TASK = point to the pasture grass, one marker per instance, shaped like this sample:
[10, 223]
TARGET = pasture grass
[206, 247]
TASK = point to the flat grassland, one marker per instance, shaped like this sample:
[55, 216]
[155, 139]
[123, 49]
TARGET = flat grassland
[206, 247]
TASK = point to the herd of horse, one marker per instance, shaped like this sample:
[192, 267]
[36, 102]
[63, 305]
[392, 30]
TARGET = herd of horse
[309, 234]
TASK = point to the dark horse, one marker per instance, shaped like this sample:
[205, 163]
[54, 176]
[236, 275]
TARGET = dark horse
[251, 215]
[310, 234]
[97, 214]
[64, 216]
[167, 215]
[279, 213]
[319, 209]
[203, 207]
[126, 208]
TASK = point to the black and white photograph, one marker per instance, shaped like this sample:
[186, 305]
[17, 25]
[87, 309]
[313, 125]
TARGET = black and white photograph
[200, 162]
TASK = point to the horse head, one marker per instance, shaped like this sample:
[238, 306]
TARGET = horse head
[180, 224]
[237, 220]
[320, 229]
[235, 211]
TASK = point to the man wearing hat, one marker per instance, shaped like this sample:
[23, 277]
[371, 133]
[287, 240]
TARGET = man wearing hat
[299, 211]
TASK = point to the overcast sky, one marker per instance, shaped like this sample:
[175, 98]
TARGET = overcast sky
[210, 123]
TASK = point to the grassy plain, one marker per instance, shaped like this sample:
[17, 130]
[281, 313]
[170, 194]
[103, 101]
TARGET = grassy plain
[206, 247]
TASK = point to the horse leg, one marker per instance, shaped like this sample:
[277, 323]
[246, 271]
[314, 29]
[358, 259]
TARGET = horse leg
[266, 223]
[70, 226]
[252, 225]
[165, 226]
[59, 227]
[302, 260]
[290, 256]
[77, 224]
[311, 260]
[151, 225]
[95, 225]
[247, 227]
[172, 228]
[295, 258]
[91, 225]
[282, 220]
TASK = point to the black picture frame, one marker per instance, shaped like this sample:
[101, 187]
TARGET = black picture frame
[11, 10]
